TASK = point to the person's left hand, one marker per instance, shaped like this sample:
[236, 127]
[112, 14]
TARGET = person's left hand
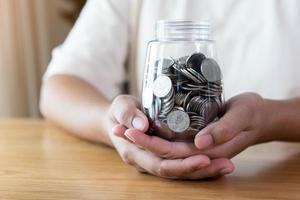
[242, 125]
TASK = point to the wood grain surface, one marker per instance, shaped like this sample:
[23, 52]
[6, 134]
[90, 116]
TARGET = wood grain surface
[39, 161]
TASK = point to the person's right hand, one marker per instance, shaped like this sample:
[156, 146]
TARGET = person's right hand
[155, 155]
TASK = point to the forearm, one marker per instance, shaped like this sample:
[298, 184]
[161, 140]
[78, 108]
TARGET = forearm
[76, 106]
[282, 120]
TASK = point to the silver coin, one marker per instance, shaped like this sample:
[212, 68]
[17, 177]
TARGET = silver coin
[187, 74]
[178, 121]
[183, 60]
[187, 98]
[198, 75]
[165, 63]
[197, 122]
[178, 108]
[186, 94]
[195, 60]
[158, 108]
[210, 110]
[162, 86]
[167, 104]
[211, 70]
[179, 98]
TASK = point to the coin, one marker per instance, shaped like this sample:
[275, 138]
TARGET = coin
[186, 93]
[210, 110]
[182, 60]
[178, 121]
[197, 122]
[198, 75]
[211, 70]
[179, 98]
[157, 107]
[165, 63]
[162, 86]
[195, 60]
[167, 105]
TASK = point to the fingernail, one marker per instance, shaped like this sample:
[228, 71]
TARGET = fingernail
[128, 136]
[138, 123]
[204, 141]
[226, 170]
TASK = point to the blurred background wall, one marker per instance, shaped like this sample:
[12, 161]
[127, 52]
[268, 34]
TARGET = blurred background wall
[29, 29]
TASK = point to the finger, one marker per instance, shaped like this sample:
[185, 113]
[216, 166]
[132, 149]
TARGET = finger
[180, 167]
[217, 167]
[235, 120]
[163, 167]
[232, 147]
[140, 158]
[119, 130]
[125, 110]
[161, 147]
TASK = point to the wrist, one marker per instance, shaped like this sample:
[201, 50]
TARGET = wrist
[274, 120]
[102, 123]
[265, 135]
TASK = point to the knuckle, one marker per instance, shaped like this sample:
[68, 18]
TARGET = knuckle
[163, 149]
[123, 109]
[125, 114]
[253, 101]
[165, 155]
[121, 98]
[159, 151]
[249, 110]
[190, 169]
[221, 132]
[119, 107]
[224, 127]
[167, 152]
[163, 171]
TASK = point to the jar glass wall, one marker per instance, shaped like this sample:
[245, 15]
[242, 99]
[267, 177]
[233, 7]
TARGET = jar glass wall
[182, 85]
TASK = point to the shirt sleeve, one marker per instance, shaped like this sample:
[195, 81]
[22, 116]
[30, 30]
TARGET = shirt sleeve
[96, 48]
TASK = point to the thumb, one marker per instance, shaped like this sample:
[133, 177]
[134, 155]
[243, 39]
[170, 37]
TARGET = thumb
[125, 111]
[236, 119]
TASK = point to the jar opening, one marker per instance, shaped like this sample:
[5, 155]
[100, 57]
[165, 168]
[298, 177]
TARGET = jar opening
[182, 30]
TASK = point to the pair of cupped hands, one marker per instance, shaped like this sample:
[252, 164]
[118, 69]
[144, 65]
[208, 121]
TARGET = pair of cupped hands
[210, 153]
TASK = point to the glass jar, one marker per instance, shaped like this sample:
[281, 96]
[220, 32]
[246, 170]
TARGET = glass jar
[182, 85]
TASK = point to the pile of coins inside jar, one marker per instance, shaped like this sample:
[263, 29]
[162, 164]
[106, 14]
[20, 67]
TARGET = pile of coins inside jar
[187, 92]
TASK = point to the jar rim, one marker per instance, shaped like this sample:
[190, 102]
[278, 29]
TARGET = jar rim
[183, 29]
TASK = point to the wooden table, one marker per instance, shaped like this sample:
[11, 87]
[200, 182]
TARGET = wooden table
[38, 161]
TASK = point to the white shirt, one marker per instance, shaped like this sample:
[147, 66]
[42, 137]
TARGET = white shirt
[258, 43]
